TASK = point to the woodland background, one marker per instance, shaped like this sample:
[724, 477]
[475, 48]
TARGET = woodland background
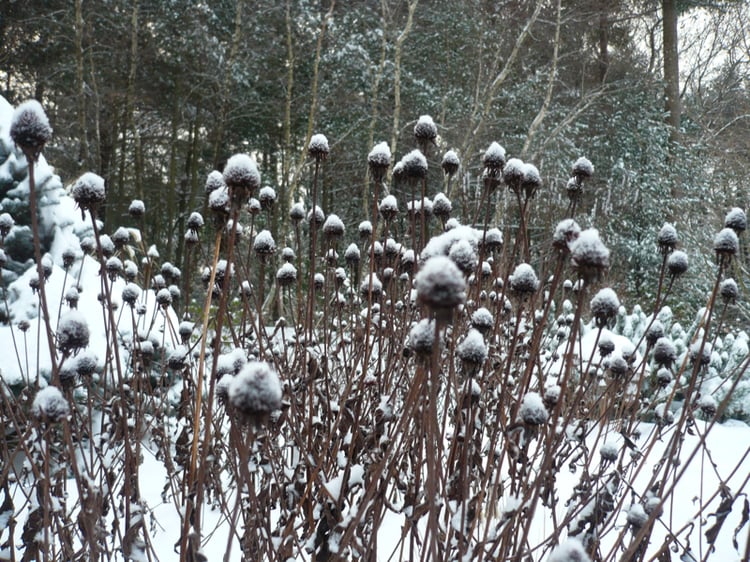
[152, 96]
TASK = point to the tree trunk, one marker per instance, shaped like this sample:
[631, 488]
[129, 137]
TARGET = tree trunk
[671, 67]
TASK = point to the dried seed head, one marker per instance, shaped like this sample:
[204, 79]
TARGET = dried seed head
[463, 255]
[414, 165]
[677, 263]
[667, 238]
[494, 160]
[333, 227]
[729, 291]
[655, 332]
[589, 255]
[297, 212]
[664, 352]
[440, 284]
[72, 332]
[316, 217]
[450, 163]
[267, 197]
[88, 192]
[583, 169]
[726, 245]
[425, 131]
[422, 337]
[255, 391]
[242, 177]
[513, 174]
[523, 281]
[264, 244]
[29, 128]
[195, 222]
[286, 275]
[136, 209]
[604, 306]
[352, 255]
[388, 208]
[318, 147]
[441, 206]
[365, 229]
[566, 233]
[736, 220]
[472, 351]
[50, 406]
[532, 410]
[379, 160]
[214, 181]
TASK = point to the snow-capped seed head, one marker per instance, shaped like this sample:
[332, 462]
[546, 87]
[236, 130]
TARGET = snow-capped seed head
[136, 209]
[472, 351]
[450, 163]
[707, 405]
[441, 206]
[267, 197]
[174, 292]
[532, 410]
[617, 365]
[604, 306]
[86, 363]
[365, 229]
[566, 233]
[88, 192]
[392, 248]
[191, 237]
[609, 451]
[264, 244]
[494, 159]
[636, 516]
[422, 337]
[493, 239]
[425, 131]
[71, 297]
[701, 353]
[736, 220]
[218, 202]
[121, 237]
[316, 216]
[408, 259]
[463, 255]
[231, 362]
[388, 208]
[573, 189]
[68, 257]
[318, 147]
[663, 377]
[195, 222]
[440, 285]
[164, 298]
[664, 352]
[29, 128]
[178, 358]
[254, 207]
[589, 256]
[551, 395]
[663, 414]
[297, 212]
[214, 181]
[531, 180]
[47, 266]
[50, 406]
[729, 291]
[606, 345]
[371, 286]
[186, 330]
[286, 275]
[523, 281]
[583, 169]
[242, 177]
[654, 332]
[379, 160]
[255, 392]
[113, 267]
[332, 257]
[482, 320]
[414, 165]
[398, 171]
[570, 551]
[513, 174]
[333, 227]
[288, 255]
[667, 238]
[72, 332]
[6, 224]
[352, 255]
[677, 263]
[726, 245]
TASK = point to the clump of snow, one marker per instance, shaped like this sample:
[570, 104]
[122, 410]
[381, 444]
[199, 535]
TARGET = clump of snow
[570, 551]
[636, 516]
[566, 233]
